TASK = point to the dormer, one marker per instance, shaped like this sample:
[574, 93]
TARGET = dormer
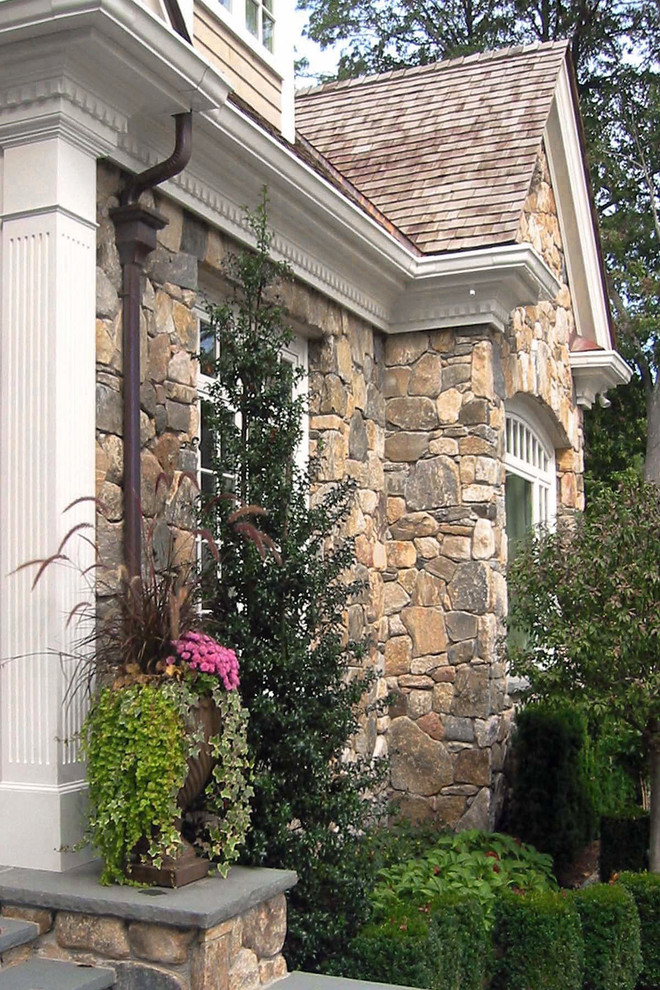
[250, 42]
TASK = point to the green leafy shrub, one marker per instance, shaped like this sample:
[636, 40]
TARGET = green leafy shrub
[463, 945]
[551, 806]
[538, 942]
[309, 811]
[645, 889]
[624, 843]
[474, 863]
[611, 937]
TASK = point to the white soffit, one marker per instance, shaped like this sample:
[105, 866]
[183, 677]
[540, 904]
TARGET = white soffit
[567, 170]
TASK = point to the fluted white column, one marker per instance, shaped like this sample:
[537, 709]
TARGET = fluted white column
[47, 443]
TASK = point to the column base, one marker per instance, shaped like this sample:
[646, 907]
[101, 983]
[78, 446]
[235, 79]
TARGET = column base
[40, 826]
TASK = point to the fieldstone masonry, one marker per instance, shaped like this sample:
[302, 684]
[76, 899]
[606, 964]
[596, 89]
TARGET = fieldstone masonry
[418, 421]
[242, 953]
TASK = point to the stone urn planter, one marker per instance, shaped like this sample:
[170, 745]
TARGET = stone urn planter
[187, 866]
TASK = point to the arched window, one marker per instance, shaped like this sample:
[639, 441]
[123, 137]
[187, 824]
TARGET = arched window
[531, 485]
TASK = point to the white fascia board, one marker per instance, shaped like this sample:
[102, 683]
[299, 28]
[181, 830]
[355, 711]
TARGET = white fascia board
[467, 288]
[117, 48]
[594, 372]
[576, 221]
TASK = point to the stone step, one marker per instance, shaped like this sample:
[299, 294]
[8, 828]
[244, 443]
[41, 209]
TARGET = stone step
[312, 981]
[50, 974]
[15, 932]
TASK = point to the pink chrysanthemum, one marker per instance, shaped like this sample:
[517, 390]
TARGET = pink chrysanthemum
[202, 653]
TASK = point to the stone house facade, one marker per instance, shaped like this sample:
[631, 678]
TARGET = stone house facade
[453, 334]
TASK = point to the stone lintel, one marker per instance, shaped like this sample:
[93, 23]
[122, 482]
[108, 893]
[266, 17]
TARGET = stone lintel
[203, 904]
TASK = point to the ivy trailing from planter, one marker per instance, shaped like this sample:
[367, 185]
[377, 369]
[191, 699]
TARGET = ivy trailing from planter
[138, 739]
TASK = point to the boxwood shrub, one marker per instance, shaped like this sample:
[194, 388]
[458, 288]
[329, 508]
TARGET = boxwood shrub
[645, 888]
[461, 943]
[399, 950]
[611, 937]
[538, 942]
[448, 950]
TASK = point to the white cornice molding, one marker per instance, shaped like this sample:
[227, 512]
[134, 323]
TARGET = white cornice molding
[576, 220]
[594, 372]
[102, 61]
[113, 71]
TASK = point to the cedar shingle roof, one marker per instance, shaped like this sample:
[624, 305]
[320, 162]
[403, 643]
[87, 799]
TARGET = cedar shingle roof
[446, 151]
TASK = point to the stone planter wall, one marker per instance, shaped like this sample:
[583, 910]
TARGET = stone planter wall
[242, 953]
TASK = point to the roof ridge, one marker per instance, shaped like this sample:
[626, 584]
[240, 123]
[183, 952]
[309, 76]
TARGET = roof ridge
[440, 65]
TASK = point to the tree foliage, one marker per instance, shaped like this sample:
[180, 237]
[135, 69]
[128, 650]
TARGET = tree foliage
[588, 599]
[285, 618]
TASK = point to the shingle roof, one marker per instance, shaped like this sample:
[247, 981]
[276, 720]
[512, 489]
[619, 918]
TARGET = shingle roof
[446, 151]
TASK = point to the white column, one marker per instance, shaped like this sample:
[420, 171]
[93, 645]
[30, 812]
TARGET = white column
[47, 444]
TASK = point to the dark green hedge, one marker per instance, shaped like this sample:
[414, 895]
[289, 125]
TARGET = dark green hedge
[624, 844]
[552, 806]
[611, 937]
[448, 951]
[463, 947]
[538, 942]
[645, 888]
[400, 950]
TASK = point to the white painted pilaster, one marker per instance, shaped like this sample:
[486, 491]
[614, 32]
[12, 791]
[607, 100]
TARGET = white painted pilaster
[47, 443]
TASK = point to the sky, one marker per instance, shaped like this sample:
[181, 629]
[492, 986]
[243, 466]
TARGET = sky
[319, 61]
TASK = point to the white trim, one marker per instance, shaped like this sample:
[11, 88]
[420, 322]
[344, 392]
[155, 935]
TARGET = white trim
[576, 221]
[526, 432]
[117, 68]
[595, 372]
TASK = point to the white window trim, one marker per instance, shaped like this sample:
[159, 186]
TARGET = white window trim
[297, 353]
[542, 476]
[233, 16]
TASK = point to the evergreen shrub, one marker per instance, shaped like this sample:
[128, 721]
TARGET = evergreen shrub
[624, 843]
[552, 807]
[301, 682]
[537, 941]
[449, 950]
[463, 945]
[400, 950]
[645, 888]
[611, 937]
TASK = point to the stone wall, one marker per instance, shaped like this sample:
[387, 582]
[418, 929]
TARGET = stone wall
[242, 953]
[418, 421]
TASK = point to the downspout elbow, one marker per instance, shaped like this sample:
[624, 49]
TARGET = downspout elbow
[167, 169]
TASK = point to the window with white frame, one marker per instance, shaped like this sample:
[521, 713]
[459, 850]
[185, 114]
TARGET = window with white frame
[294, 353]
[251, 20]
[531, 486]
[260, 21]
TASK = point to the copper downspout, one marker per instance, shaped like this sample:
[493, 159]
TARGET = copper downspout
[136, 227]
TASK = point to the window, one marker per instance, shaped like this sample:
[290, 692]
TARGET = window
[530, 494]
[260, 22]
[530, 478]
[294, 353]
[249, 20]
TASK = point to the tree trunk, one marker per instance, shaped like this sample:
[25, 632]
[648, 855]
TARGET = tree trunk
[652, 462]
[654, 766]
